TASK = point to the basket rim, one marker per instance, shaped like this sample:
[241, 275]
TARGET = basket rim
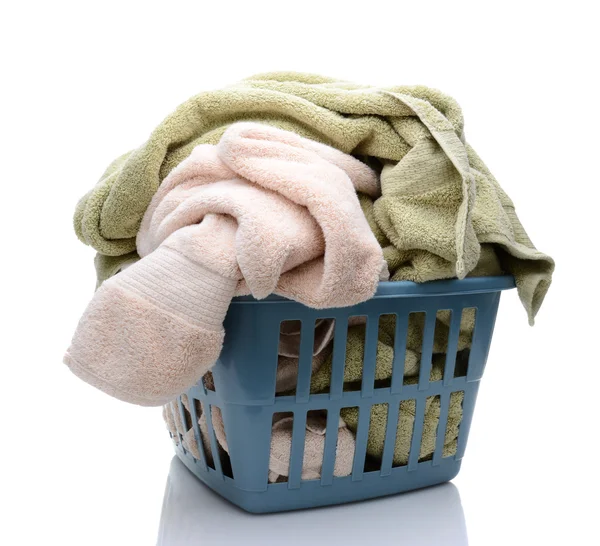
[400, 289]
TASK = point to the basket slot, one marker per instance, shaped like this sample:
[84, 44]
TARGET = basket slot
[338, 362]
[362, 435]
[359, 323]
[430, 425]
[378, 411]
[197, 435]
[464, 367]
[291, 382]
[206, 384]
[415, 445]
[297, 451]
[183, 418]
[405, 422]
[414, 335]
[307, 336]
[482, 335]
[465, 425]
[329, 452]
[207, 408]
[389, 445]
[427, 351]
[177, 434]
[315, 465]
[443, 317]
[451, 350]
[370, 357]
[399, 353]
[440, 438]
[284, 452]
[226, 466]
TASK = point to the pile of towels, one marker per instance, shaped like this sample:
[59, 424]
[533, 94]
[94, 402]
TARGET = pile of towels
[297, 185]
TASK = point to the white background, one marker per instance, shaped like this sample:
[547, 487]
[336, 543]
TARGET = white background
[83, 82]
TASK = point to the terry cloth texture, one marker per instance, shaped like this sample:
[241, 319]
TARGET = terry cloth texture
[265, 211]
[284, 211]
[439, 202]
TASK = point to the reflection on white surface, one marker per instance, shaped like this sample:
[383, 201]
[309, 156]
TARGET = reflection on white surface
[193, 514]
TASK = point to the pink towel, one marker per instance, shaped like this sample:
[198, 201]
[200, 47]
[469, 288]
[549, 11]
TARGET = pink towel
[265, 211]
[281, 441]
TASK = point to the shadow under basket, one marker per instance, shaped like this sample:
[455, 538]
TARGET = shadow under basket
[245, 392]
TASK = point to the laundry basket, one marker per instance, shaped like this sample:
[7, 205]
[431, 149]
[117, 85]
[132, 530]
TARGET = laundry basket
[245, 392]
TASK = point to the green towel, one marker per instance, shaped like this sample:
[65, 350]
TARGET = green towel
[413, 222]
[383, 372]
[439, 202]
[108, 266]
[406, 420]
[355, 119]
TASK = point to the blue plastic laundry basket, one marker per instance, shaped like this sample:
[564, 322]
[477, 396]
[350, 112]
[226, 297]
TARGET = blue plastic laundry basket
[244, 381]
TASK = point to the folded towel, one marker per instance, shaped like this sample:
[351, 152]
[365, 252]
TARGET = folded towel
[266, 211]
[439, 204]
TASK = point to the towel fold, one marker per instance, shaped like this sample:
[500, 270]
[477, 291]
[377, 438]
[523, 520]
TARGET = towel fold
[285, 200]
[414, 218]
[266, 211]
